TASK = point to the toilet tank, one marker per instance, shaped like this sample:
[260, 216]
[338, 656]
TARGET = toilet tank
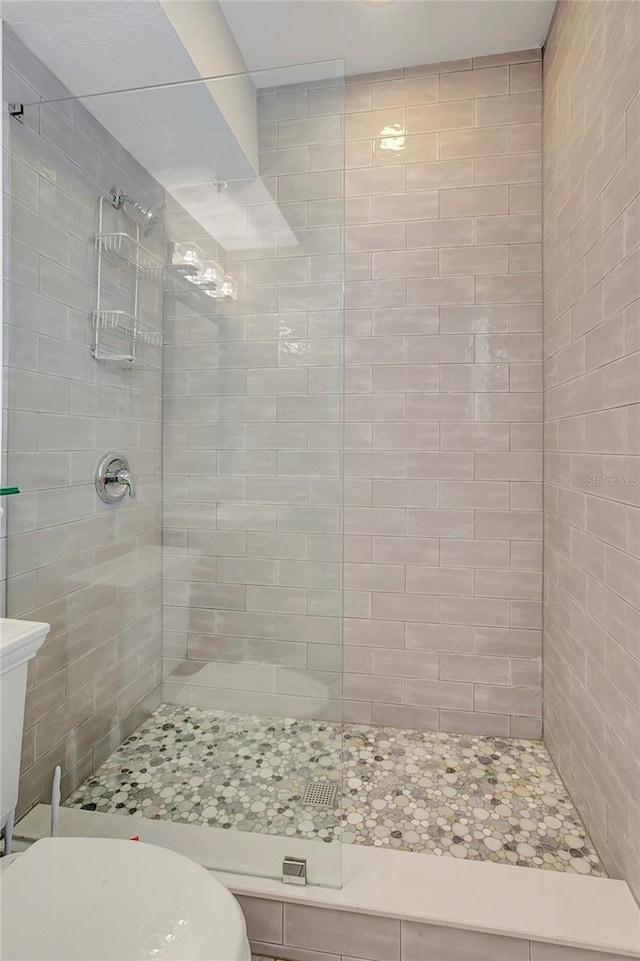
[19, 641]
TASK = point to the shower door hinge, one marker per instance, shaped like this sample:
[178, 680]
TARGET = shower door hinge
[294, 871]
[16, 110]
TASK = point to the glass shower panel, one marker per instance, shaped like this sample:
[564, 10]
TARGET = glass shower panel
[253, 472]
[199, 293]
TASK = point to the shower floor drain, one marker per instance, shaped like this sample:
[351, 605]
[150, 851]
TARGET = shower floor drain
[320, 794]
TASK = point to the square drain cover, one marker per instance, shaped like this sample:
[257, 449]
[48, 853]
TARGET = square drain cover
[320, 794]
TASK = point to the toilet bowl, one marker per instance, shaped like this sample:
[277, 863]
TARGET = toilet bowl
[98, 899]
[104, 899]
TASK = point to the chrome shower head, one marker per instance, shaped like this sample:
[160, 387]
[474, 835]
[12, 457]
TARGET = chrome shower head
[147, 217]
[152, 217]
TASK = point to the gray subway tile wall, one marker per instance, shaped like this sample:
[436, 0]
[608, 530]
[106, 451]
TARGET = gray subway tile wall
[443, 438]
[294, 932]
[441, 413]
[592, 437]
[90, 570]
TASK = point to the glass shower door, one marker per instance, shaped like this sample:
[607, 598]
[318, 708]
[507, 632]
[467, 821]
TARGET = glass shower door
[204, 706]
[253, 484]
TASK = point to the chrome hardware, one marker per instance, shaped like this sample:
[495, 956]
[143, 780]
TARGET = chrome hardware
[16, 110]
[148, 217]
[119, 336]
[113, 479]
[294, 871]
[320, 794]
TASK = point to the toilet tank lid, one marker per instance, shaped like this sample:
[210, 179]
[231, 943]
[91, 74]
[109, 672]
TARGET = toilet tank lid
[105, 899]
[19, 640]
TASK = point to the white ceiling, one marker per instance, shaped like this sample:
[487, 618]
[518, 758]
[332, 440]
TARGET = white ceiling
[371, 36]
[94, 46]
[181, 134]
[178, 133]
[99, 45]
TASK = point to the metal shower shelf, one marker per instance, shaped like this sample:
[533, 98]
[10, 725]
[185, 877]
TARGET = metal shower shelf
[119, 320]
[126, 361]
[135, 333]
[127, 252]
[119, 336]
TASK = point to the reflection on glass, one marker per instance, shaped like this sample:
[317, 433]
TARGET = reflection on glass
[228, 289]
[211, 275]
[393, 138]
[187, 253]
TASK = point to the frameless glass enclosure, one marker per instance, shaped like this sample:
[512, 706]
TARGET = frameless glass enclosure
[176, 316]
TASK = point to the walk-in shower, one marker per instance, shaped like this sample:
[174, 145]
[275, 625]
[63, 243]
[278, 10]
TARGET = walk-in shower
[319, 620]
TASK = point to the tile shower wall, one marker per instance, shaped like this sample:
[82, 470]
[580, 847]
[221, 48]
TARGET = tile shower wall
[292, 931]
[253, 437]
[91, 570]
[592, 419]
[443, 397]
[442, 412]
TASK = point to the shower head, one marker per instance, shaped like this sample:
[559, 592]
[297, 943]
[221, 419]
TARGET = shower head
[152, 217]
[147, 217]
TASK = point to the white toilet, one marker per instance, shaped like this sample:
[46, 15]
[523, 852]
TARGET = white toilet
[99, 899]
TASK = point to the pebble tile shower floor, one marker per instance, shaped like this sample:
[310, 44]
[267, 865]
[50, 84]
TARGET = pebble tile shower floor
[482, 798]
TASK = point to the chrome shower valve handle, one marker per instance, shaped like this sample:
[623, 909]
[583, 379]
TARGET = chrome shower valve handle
[124, 477]
[114, 479]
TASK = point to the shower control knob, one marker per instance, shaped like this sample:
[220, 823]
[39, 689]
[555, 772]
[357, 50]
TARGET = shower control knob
[113, 479]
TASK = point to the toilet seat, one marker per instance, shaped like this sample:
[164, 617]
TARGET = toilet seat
[104, 899]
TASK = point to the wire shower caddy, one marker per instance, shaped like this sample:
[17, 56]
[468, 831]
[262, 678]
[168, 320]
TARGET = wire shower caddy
[118, 335]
